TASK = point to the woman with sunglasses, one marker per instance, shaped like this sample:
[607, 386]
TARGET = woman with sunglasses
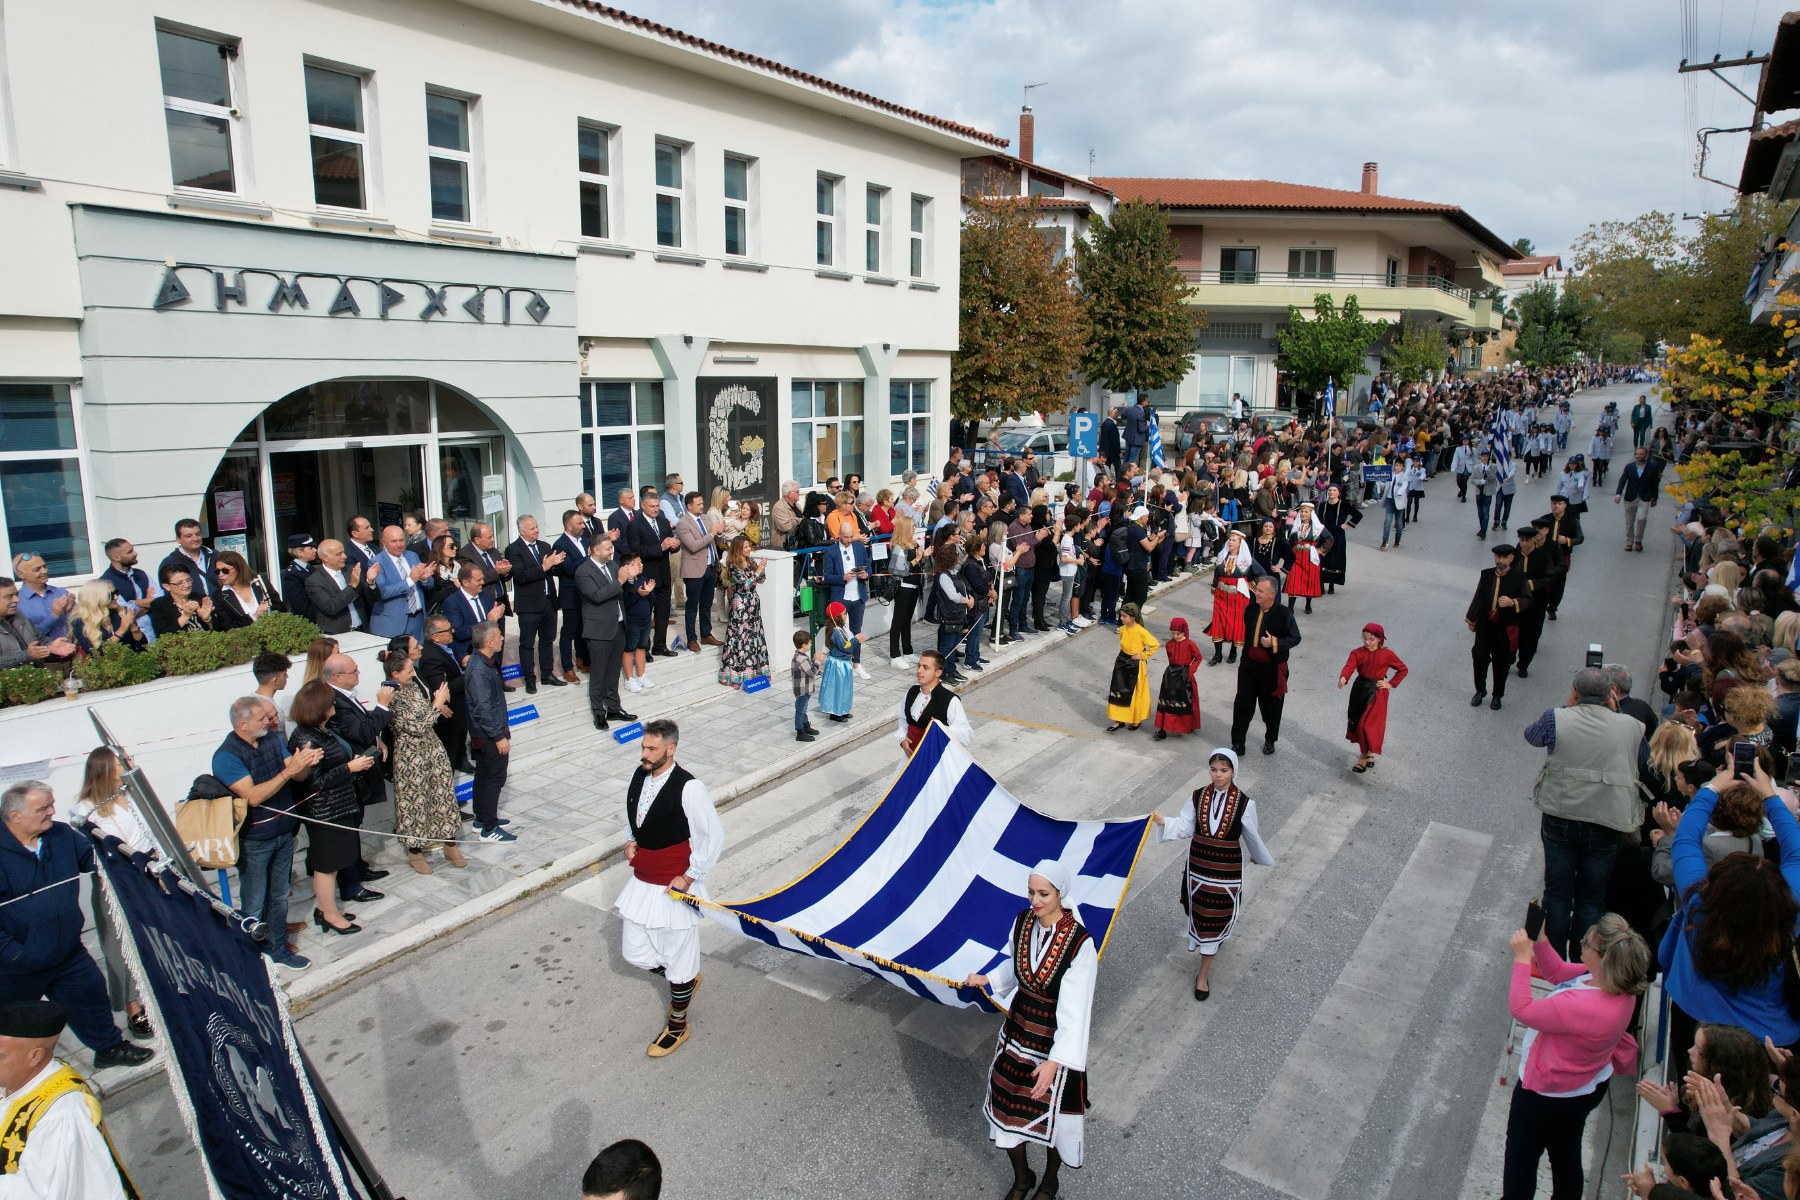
[243, 597]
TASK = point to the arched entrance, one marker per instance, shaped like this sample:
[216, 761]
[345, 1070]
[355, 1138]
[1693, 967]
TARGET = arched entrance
[378, 448]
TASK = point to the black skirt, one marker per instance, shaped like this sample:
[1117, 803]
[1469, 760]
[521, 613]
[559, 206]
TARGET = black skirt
[1124, 681]
[1177, 695]
[1362, 694]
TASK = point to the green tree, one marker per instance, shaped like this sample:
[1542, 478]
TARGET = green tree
[1141, 328]
[1628, 273]
[1333, 346]
[1553, 325]
[1418, 354]
[1524, 246]
[1022, 328]
[1720, 258]
[1746, 476]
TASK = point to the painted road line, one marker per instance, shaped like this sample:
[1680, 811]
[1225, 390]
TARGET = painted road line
[1138, 1046]
[1321, 1096]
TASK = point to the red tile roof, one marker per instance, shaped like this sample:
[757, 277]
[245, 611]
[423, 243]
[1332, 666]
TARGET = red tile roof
[688, 40]
[1533, 264]
[1268, 194]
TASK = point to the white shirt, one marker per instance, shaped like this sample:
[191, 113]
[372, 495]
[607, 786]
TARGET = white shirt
[124, 823]
[337, 577]
[66, 1156]
[956, 722]
[852, 585]
[651, 906]
[1173, 829]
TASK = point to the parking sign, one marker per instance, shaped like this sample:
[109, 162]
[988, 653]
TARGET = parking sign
[1084, 435]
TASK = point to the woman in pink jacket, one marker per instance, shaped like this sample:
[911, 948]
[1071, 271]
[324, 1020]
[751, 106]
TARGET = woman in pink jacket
[1575, 1039]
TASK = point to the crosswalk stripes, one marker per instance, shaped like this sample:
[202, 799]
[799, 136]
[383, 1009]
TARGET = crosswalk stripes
[1322, 1094]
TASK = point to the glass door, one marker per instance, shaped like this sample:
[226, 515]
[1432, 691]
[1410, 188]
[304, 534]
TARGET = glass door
[318, 491]
[232, 509]
[472, 485]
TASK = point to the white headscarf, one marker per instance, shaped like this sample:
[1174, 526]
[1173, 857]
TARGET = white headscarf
[1227, 753]
[1056, 874]
[1244, 560]
[1318, 526]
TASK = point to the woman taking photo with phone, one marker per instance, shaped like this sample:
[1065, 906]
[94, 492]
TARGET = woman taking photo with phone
[1575, 1040]
[332, 847]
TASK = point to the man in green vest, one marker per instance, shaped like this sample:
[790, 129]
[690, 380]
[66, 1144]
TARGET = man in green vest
[1588, 794]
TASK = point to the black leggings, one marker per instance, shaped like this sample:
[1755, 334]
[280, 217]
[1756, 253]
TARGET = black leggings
[1537, 1125]
[901, 620]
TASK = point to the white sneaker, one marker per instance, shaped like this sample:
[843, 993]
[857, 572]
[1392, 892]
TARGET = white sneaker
[862, 673]
[1082, 622]
[631, 685]
[901, 662]
[644, 683]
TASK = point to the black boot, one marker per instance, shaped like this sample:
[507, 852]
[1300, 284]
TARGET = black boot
[1309, 606]
[1218, 654]
[1232, 657]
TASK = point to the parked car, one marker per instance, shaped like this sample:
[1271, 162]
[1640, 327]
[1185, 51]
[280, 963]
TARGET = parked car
[1041, 439]
[1215, 423]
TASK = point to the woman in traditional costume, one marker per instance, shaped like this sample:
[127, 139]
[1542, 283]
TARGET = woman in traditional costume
[1337, 514]
[1220, 823]
[1307, 542]
[837, 690]
[1178, 703]
[1232, 574]
[1128, 700]
[1037, 1087]
[1369, 665]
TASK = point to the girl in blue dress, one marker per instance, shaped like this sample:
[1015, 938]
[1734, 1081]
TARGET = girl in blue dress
[838, 686]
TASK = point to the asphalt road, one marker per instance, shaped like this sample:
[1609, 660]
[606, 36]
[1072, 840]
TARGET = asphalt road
[1357, 1018]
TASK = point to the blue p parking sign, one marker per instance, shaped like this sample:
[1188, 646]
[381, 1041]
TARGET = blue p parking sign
[1084, 435]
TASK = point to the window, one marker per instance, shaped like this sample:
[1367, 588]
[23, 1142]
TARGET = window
[1040, 186]
[626, 447]
[921, 209]
[1393, 272]
[671, 196]
[1237, 264]
[199, 109]
[41, 505]
[737, 205]
[875, 217]
[1056, 240]
[828, 431]
[452, 157]
[334, 120]
[1312, 264]
[593, 168]
[826, 225]
[909, 426]
[1221, 375]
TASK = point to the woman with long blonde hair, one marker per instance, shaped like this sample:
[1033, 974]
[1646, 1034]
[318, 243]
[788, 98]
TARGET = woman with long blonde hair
[104, 801]
[321, 649]
[95, 623]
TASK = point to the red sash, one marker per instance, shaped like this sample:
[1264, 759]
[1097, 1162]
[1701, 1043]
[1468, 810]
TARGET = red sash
[913, 734]
[659, 867]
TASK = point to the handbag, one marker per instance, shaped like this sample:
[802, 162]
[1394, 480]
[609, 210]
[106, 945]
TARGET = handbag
[208, 821]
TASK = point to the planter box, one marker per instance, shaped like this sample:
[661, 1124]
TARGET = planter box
[169, 726]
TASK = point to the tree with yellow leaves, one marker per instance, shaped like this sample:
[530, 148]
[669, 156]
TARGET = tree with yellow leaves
[1748, 471]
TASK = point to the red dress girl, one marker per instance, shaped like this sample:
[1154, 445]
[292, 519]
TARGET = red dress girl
[1370, 665]
[1308, 542]
[1178, 703]
[1231, 594]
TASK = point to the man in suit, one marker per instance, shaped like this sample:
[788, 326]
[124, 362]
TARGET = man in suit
[361, 726]
[589, 508]
[495, 572]
[1014, 482]
[395, 574]
[438, 664]
[699, 572]
[572, 545]
[467, 607]
[1111, 451]
[1563, 536]
[651, 537]
[302, 554]
[534, 570]
[359, 544]
[1136, 419]
[625, 508]
[1637, 490]
[601, 586]
[846, 570]
[333, 589]
[1270, 634]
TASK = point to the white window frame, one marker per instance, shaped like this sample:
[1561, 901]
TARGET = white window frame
[79, 453]
[592, 431]
[747, 205]
[827, 395]
[469, 158]
[918, 412]
[919, 238]
[606, 180]
[876, 229]
[828, 191]
[232, 114]
[363, 138]
[682, 194]
[8, 151]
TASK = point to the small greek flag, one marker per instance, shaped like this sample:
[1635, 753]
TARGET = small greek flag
[1156, 447]
[1331, 397]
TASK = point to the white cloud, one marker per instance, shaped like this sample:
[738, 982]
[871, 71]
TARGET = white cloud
[1537, 118]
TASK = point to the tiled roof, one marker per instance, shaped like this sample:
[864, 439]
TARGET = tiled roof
[1762, 156]
[618, 16]
[1252, 194]
[1533, 264]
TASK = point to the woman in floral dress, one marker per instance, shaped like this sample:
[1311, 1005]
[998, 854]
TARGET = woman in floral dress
[746, 652]
[424, 795]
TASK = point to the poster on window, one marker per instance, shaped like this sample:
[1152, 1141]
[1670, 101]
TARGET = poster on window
[228, 508]
[737, 418]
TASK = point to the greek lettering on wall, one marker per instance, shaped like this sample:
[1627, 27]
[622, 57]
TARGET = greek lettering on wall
[251, 289]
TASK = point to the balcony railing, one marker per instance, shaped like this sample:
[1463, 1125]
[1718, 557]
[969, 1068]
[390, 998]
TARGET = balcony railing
[1329, 279]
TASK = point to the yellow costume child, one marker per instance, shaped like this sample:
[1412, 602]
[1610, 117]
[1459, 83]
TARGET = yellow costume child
[1128, 701]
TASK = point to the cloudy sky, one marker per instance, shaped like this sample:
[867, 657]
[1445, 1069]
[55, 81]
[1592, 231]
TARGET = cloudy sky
[1538, 117]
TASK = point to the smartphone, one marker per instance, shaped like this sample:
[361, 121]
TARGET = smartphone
[1743, 759]
[1596, 657]
[1534, 919]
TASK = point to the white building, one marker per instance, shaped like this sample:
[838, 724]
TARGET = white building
[277, 264]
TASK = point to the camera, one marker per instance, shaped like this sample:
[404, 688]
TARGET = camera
[1596, 656]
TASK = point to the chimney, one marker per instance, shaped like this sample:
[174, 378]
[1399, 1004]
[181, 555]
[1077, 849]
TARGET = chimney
[1370, 173]
[1027, 133]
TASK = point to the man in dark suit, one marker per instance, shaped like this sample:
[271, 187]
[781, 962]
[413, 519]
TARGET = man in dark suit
[1014, 483]
[1562, 537]
[651, 538]
[438, 664]
[359, 551]
[495, 571]
[333, 589]
[1493, 617]
[846, 569]
[625, 508]
[1270, 633]
[589, 508]
[302, 554]
[360, 725]
[534, 570]
[601, 585]
[467, 607]
[1112, 451]
[572, 545]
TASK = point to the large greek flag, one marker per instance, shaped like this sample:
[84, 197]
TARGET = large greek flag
[926, 889]
[1156, 446]
[1499, 443]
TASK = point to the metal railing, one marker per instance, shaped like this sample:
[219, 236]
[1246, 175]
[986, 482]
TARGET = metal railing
[1330, 279]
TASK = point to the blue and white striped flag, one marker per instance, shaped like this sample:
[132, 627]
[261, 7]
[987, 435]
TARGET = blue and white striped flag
[1331, 397]
[928, 886]
[1156, 447]
[1498, 442]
